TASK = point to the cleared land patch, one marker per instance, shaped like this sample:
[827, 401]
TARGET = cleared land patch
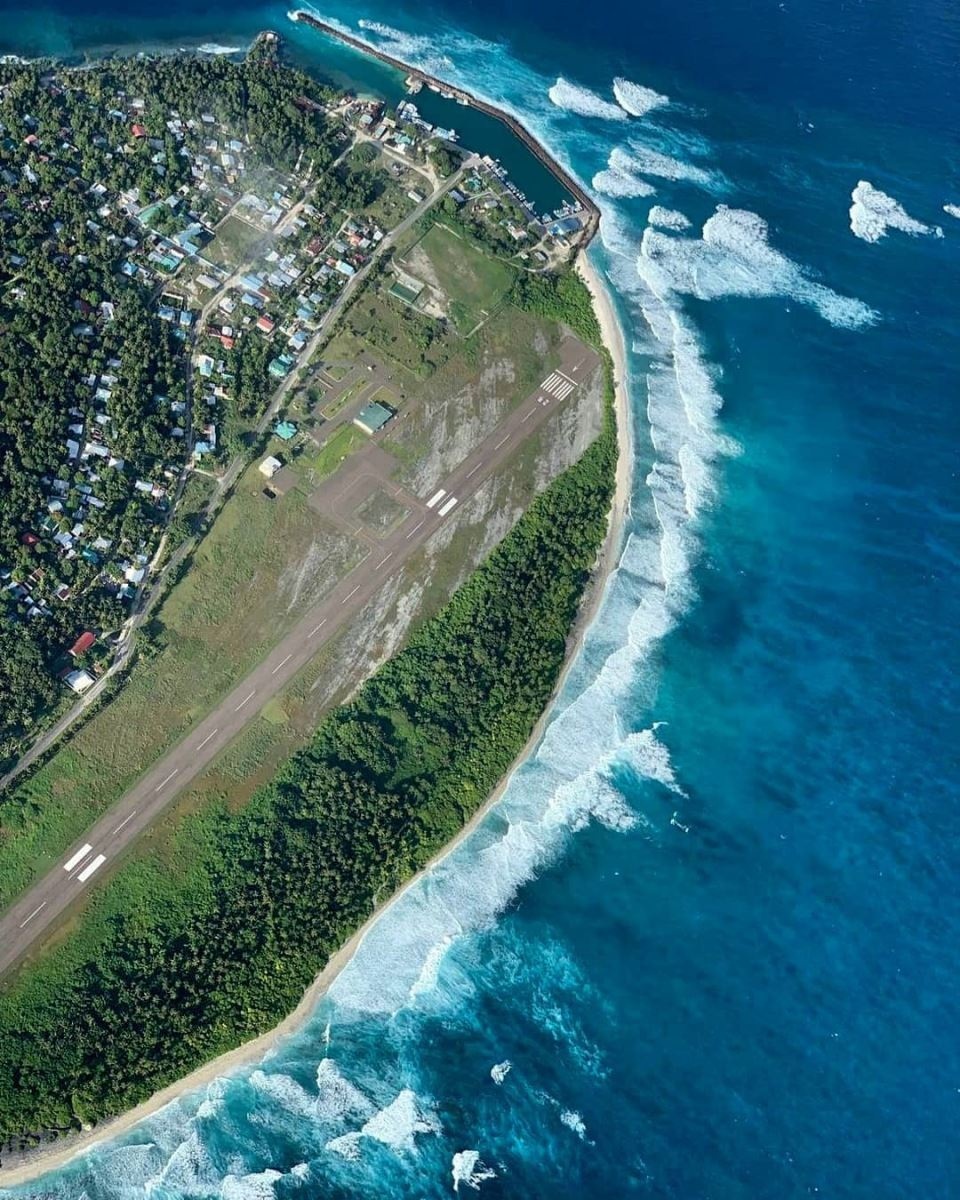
[472, 285]
[380, 513]
[236, 242]
[260, 566]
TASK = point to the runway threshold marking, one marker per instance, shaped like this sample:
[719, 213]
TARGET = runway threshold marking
[447, 506]
[175, 771]
[33, 914]
[94, 865]
[207, 739]
[245, 700]
[437, 496]
[281, 664]
[77, 858]
[125, 821]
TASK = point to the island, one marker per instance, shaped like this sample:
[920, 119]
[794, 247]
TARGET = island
[311, 476]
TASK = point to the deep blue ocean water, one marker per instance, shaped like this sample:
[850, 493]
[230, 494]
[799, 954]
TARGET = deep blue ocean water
[706, 947]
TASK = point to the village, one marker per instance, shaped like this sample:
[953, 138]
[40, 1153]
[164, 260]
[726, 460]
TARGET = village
[241, 265]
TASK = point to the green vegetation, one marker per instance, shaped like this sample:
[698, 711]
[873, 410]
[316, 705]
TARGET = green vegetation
[266, 894]
[236, 242]
[472, 281]
[346, 439]
[94, 396]
[562, 297]
[280, 557]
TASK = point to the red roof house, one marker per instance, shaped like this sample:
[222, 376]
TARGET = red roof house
[83, 642]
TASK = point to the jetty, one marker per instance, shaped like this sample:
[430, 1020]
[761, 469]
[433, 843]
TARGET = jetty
[416, 79]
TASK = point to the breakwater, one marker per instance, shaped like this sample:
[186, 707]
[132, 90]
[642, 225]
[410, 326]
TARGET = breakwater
[590, 211]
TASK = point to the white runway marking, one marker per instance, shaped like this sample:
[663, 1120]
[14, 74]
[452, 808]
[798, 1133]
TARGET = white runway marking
[174, 772]
[125, 821]
[89, 869]
[207, 739]
[317, 627]
[245, 699]
[33, 914]
[280, 664]
[473, 470]
[383, 560]
[436, 498]
[528, 416]
[77, 858]
[353, 593]
[413, 531]
[502, 440]
[558, 385]
[447, 506]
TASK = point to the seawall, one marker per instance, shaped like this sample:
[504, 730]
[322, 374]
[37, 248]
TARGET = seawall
[592, 213]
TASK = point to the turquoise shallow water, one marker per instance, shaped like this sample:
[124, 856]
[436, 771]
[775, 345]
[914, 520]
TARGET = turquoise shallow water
[706, 945]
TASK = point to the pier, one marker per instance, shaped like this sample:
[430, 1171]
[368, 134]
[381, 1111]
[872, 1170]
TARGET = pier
[591, 214]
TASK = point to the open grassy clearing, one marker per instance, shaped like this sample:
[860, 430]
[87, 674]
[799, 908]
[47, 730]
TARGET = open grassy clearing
[262, 564]
[235, 243]
[473, 284]
[340, 402]
[380, 513]
[343, 443]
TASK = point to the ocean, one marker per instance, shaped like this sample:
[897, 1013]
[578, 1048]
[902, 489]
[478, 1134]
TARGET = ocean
[706, 946]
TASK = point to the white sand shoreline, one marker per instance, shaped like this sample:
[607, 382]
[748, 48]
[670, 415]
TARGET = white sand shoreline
[37, 1163]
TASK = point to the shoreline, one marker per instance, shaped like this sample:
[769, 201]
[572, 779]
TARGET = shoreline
[462, 96]
[38, 1162]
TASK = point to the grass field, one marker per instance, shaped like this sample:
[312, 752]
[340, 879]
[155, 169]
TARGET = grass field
[347, 439]
[235, 243]
[473, 283]
[258, 569]
[340, 402]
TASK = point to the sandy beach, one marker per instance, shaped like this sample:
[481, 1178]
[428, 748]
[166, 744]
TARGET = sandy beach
[46, 1159]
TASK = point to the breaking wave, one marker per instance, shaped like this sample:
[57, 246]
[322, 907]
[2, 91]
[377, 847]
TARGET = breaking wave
[873, 212]
[583, 102]
[643, 160]
[733, 257]
[636, 99]
[668, 218]
[467, 1168]
[952, 210]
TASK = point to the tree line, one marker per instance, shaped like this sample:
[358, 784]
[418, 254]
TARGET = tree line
[385, 782]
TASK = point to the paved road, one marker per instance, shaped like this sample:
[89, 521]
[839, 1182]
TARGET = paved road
[39, 909]
[146, 596]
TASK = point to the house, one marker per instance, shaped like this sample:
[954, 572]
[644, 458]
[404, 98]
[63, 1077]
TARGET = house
[265, 324]
[82, 644]
[270, 466]
[79, 681]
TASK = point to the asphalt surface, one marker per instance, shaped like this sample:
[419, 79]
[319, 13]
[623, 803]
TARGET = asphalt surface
[39, 909]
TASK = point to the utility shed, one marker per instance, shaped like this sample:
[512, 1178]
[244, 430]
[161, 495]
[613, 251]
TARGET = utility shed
[373, 417]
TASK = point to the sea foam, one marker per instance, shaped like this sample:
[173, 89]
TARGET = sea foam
[733, 257]
[636, 99]
[952, 210]
[873, 212]
[668, 218]
[583, 102]
[467, 1168]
